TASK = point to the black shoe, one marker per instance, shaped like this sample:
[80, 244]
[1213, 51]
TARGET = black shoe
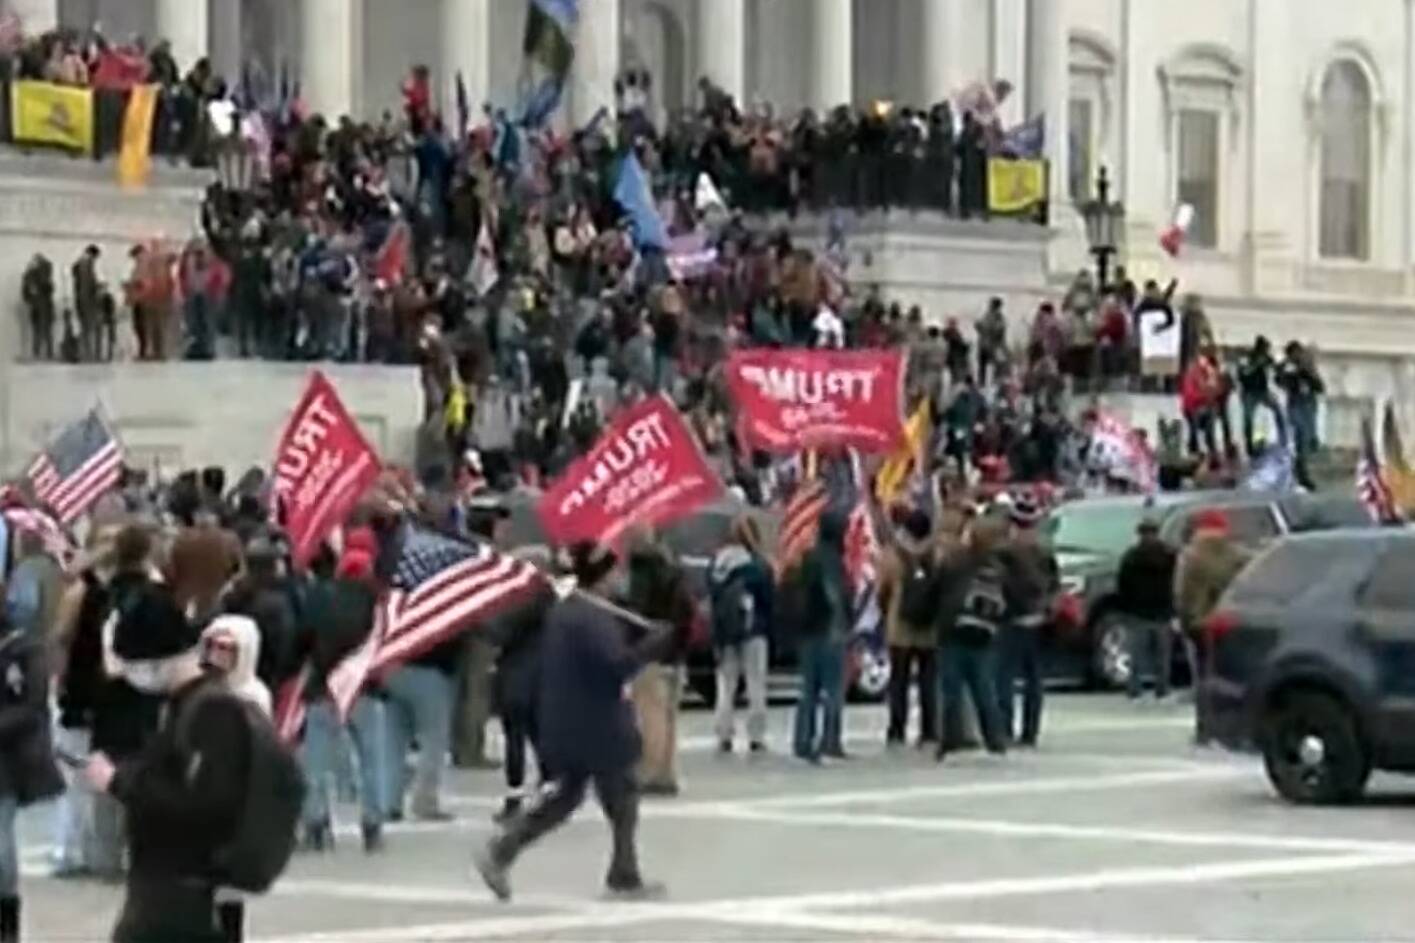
[318, 837]
[637, 892]
[758, 747]
[724, 747]
[9, 920]
[396, 815]
[373, 837]
[510, 807]
[493, 873]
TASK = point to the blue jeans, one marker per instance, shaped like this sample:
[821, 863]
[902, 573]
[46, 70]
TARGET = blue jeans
[1251, 402]
[822, 666]
[9, 850]
[419, 702]
[200, 342]
[1303, 413]
[323, 735]
[974, 667]
[73, 812]
[1021, 655]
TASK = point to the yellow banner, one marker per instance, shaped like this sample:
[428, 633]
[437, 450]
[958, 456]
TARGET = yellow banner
[895, 472]
[43, 113]
[135, 157]
[1015, 186]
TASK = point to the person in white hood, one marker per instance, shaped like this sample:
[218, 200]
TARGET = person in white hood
[230, 645]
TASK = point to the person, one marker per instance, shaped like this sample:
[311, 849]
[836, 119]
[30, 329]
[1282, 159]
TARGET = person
[183, 791]
[1207, 565]
[27, 771]
[742, 595]
[485, 516]
[260, 593]
[908, 585]
[518, 640]
[1145, 597]
[33, 589]
[1255, 372]
[992, 342]
[1298, 377]
[230, 648]
[87, 288]
[419, 705]
[336, 619]
[974, 593]
[76, 639]
[37, 292]
[1198, 398]
[588, 729]
[1032, 579]
[824, 620]
[658, 591]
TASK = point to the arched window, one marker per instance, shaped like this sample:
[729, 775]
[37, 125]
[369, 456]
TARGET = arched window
[1345, 231]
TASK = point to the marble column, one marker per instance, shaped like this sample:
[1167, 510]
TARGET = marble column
[331, 46]
[722, 45]
[36, 16]
[832, 53]
[1009, 54]
[184, 23]
[466, 49]
[596, 60]
[227, 40]
[943, 31]
[1049, 87]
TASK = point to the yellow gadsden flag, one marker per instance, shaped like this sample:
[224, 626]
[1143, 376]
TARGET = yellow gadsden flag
[1015, 186]
[895, 472]
[135, 157]
[44, 113]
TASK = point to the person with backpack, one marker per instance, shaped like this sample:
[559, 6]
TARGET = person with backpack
[27, 771]
[183, 792]
[909, 588]
[742, 593]
[1144, 594]
[825, 618]
[975, 590]
[1032, 581]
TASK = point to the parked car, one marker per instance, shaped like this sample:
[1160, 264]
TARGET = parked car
[1090, 536]
[1313, 662]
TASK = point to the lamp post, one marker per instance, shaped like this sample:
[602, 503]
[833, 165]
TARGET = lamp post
[1103, 222]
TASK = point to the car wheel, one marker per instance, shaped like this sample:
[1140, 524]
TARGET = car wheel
[1313, 752]
[1111, 663]
[871, 674]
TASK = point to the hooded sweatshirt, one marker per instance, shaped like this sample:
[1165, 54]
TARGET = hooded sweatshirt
[827, 586]
[241, 680]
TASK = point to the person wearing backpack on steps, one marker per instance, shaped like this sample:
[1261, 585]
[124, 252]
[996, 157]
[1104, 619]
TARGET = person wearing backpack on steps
[742, 595]
[968, 649]
[909, 589]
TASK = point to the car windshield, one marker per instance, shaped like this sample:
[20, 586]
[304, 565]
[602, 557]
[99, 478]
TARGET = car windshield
[1100, 529]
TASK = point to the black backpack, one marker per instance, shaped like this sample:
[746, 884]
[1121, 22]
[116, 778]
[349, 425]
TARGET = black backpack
[919, 591]
[733, 607]
[984, 603]
[264, 838]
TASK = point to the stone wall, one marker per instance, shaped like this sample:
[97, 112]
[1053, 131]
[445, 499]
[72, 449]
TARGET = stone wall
[186, 414]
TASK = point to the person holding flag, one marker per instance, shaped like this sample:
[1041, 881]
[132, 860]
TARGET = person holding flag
[824, 619]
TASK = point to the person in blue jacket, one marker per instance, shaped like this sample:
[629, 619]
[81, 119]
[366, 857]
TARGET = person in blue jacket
[742, 593]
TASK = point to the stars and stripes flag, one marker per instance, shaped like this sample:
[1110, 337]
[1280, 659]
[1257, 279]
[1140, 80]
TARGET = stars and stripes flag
[83, 464]
[55, 539]
[837, 486]
[800, 522]
[1371, 486]
[440, 588]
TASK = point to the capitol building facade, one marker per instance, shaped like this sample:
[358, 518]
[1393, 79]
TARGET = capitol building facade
[1288, 124]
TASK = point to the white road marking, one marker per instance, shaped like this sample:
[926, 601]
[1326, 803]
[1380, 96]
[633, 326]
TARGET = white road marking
[786, 910]
[1025, 829]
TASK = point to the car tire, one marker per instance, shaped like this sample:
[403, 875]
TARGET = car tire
[1111, 663]
[1313, 751]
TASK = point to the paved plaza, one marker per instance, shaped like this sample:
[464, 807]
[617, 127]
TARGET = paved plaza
[1117, 829]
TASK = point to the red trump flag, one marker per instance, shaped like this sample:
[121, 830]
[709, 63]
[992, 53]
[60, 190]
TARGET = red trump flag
[790, 400]
[645, 469]
[322, 468]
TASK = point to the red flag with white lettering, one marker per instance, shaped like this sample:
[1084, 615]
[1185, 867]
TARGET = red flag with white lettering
[322, 467]
[789, 400]
[645, 469]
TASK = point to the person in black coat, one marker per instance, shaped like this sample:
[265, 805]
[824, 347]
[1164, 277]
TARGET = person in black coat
[518, 638]
[27, 771]
[1145, 596]
[587, 728]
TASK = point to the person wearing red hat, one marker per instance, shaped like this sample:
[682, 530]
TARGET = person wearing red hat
[1207, 566]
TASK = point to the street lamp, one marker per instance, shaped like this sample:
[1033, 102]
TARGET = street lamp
[1103, 224]
[235, 165]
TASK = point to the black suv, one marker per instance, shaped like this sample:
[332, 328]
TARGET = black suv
[1090, 536]
[1314, 662]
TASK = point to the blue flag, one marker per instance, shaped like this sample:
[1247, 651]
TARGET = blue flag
[632, 193]
[549, 49]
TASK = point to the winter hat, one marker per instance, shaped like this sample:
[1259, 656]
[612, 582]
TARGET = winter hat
[355, 564]
[1211, 519]
[1025, 511]
[918, 525]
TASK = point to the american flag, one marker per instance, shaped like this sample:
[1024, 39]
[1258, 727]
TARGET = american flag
[82, 465]
[839, 485]
[56, 541]
[1371, 486]
[440, 588]
[799, 523]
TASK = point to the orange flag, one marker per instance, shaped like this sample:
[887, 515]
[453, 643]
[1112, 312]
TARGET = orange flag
[135, 157]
